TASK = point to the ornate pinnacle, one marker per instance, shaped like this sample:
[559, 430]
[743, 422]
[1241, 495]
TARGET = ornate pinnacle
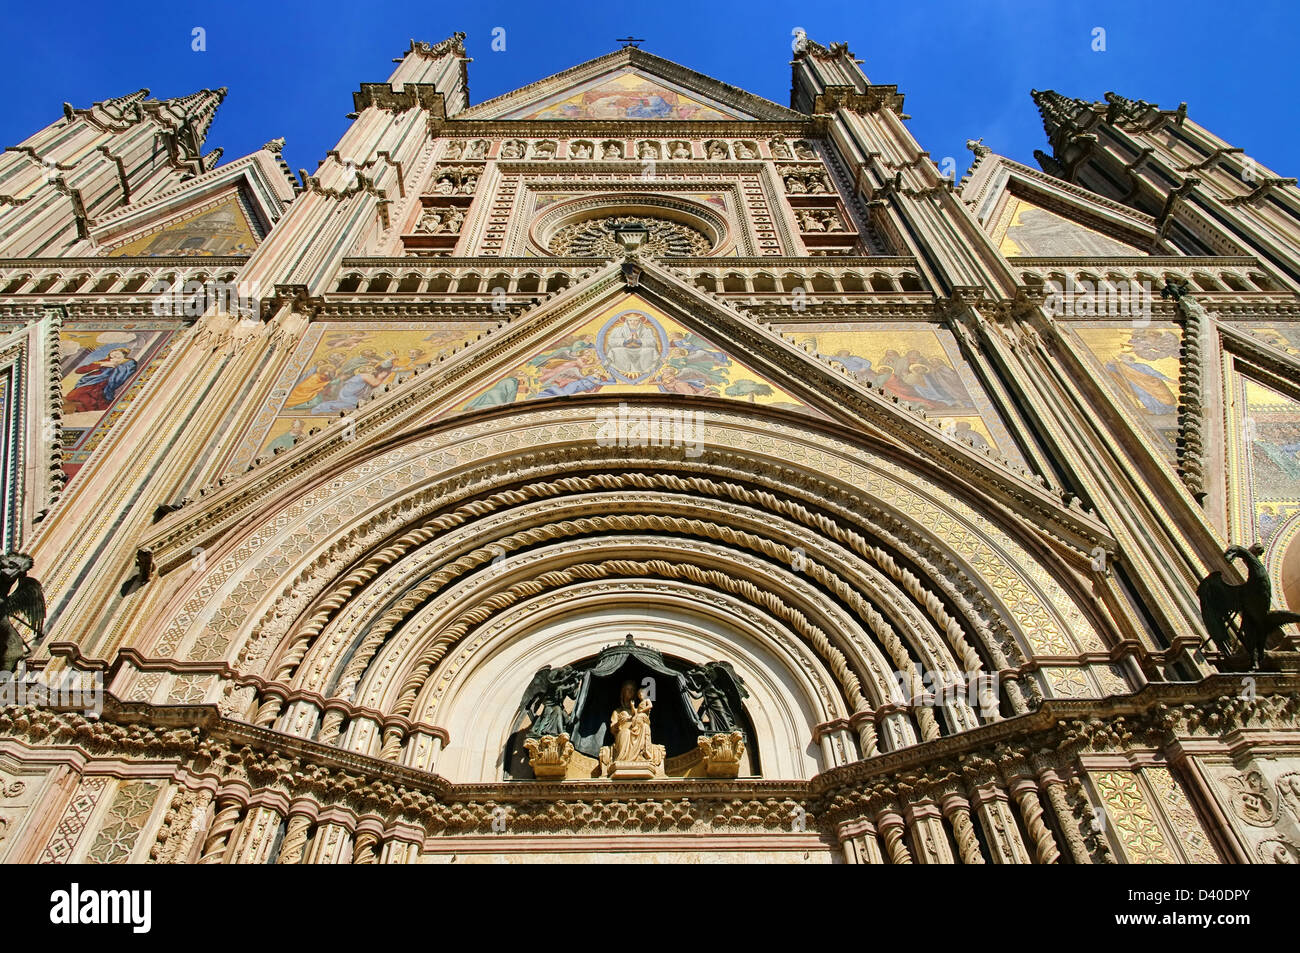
[275, 146]
[1126, 110]
[119, 109]
[1049, 164]
[124, 104]
[190, 116]
[453, 44]
[1056, 110]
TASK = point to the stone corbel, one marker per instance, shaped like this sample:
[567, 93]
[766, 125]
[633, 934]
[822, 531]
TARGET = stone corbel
[1166, 216]
[297, 297]
[1259, 193]
[872, 99]
[411, 96]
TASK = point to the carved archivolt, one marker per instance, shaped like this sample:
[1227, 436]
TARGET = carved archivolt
[348, 595]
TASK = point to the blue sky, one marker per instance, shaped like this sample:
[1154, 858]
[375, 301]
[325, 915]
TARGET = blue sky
[966, 68]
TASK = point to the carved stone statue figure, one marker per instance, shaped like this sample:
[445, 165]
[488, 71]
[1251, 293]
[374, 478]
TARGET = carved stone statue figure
[681, 150]
[580, 150]
[716, 150]
[781, 149]
[549, 688]
[612, 150]
[1221, 601]
[809, 221]
[440, 221]
[22, 601]
[477, 149]
[455, 149]
[544, 149]
[630, 725]
[512, 149]
[744, 150]
[803, 150]
[647, 150]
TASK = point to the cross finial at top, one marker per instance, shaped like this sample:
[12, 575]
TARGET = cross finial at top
[632, 41]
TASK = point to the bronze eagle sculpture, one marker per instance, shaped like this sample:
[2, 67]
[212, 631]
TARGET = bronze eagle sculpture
[1222, 601]
[22, 601]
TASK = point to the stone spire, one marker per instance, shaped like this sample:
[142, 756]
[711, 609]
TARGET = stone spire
[1121, 109]
[193, 113]
[125, 106]
[1056, 110]
[114, 113]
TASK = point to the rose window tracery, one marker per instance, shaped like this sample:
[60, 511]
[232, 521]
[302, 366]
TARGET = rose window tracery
[594, 238]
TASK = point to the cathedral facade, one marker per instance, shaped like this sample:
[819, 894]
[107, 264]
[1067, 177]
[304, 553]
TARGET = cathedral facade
[633, 468]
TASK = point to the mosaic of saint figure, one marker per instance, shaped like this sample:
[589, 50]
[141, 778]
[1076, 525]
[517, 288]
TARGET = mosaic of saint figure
[100, 382]
[1147, 388]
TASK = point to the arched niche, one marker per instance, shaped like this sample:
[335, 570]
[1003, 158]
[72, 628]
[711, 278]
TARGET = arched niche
[784, 706]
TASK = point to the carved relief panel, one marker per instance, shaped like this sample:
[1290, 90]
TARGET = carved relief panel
[1261, 800]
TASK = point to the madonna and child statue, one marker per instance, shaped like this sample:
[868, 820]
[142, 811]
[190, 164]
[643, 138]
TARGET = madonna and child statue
[633, 755]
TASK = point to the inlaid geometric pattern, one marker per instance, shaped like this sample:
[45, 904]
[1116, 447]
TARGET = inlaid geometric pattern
[1132, 818]
[73, 822]
[129, 811]
[1191, 835]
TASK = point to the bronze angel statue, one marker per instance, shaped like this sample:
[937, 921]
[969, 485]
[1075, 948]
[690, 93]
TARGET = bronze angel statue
[548, 689]
[722, 691]
[1221, 601]
[22, 609]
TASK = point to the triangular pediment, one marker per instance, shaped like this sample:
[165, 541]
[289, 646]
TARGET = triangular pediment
[624, 94]
[220, 227]
[629, 85]
[1026, 229]
[1029, 214]
[629, 347]
[222, 213]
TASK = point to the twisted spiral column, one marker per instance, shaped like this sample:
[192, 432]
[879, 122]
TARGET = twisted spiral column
[892, 828]
[229, 809]
[365, 848]
[957, 810]
[1025, 791]
[1050, 782]
[296, 835]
